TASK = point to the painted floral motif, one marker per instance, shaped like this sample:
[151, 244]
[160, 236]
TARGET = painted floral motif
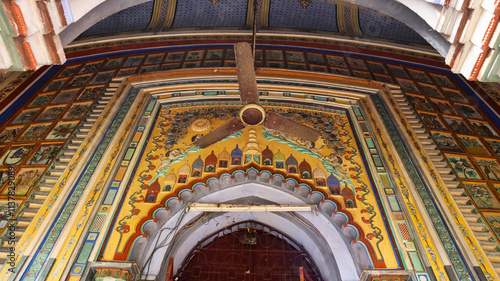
[490, 168]
[51, 113]
[25, 117]
[79, 80]
[194, 55]
[420, 76]
[4, 176]
[130, 71]
[382, 78]
[295, 57]
[65, 96]
[431, 91]
[495, 146]
[205, 64]
[90, 93]
[317, 59]
[398, 71]
[446, 142]
[458, 126]
[191, 64]
[112, 64]
[68, 71]
[355, 63]
[492, 89]
[9, 134]
[463, 168]
[431, 121]
[214, 54]
[497, 187]
[77, 111]
[444, 107]
[494, 222]
[484, 129]
[468, 111]
[442, 81]
[408, 86]
[40, 101]
[44, 155]
[179, 123]
[482, 196]
[102, 78]
[154, 59]
[35, 132]
[276, 55]
[15, 155]
[55, 85]
[90, 68]
[62, 131]
[150, 68]
[25, 180]
[318, 68]
[473, 145]
[455, 96]
[133, 61]
[300, 66]
[175, 57]
[11, 85]
[332, 61]
[419, 103]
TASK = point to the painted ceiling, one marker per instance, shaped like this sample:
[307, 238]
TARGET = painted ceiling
[318, 17]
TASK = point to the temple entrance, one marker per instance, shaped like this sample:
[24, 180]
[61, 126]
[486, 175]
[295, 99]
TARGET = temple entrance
[247, 251]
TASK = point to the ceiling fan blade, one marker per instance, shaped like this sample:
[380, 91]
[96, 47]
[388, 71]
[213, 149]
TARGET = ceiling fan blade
[224, 131]
[282, 124]
[246, 73]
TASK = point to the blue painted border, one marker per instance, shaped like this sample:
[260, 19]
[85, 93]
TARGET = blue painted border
[12, 109]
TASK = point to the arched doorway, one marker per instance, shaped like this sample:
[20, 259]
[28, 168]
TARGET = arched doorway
[247, 251]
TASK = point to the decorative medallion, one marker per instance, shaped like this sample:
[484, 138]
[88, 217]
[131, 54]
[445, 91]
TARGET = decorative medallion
[200, 125]
[304, 3]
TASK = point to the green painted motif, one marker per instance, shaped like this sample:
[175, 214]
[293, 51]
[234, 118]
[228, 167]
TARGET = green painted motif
[35, 132]
[77, 111]
[463, 168]
[490, 168]
[446, 142]
[495, 146]
[62, 131]
[425, 196]
[494, 222]
[40, 101]
[25, 117]
[473, 145]
[482, 196]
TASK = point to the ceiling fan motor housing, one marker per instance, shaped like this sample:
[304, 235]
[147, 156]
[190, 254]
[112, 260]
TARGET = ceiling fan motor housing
[252, 114]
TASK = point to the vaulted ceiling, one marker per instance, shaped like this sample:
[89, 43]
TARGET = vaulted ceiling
[464, 33]
[327, 18]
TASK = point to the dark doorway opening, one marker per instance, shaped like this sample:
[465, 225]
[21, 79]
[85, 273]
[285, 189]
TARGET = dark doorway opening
[247, 251]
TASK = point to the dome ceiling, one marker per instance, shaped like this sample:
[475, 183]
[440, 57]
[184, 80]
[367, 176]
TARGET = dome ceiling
[319, 17]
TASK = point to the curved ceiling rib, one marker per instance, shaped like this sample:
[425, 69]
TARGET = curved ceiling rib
[393, 9]
[103, 10]
[411, 19]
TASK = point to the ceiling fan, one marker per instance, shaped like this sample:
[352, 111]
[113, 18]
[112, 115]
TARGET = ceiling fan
[252, 114]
